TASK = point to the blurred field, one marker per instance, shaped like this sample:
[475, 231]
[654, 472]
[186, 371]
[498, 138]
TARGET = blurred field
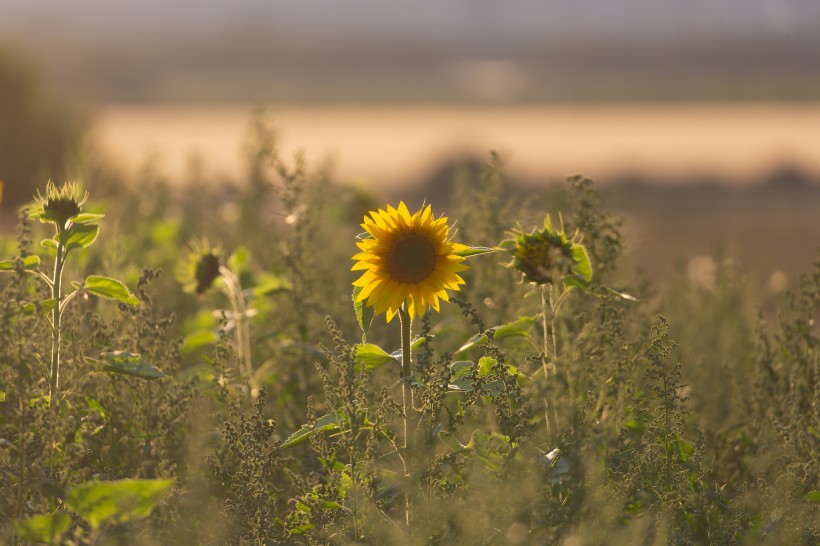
[395, 145]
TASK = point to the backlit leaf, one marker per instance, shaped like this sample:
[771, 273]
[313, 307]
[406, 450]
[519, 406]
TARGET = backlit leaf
[43, 529]
[106, 287]
[120, 501]
[130, 364]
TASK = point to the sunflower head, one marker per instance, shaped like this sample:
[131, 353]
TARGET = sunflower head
[546, 255]
[200, 267]
[59, 205]
[406, 259]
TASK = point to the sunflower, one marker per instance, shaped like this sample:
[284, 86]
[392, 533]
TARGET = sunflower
[59, 205]
[407, 259]
[200, 267]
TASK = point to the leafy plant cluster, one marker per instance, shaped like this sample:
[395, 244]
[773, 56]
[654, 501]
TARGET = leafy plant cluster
[574, 404]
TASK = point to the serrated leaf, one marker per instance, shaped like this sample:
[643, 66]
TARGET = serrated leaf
[326, 423]
[476, 251]
[372, 357]
[87, 218]
[116, 501]
[43, 529]
[30, 263]
[131, 364]
[364, 313]
[79, 236]
[106, 287]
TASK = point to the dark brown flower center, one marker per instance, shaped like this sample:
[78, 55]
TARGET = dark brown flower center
[412, 259]
[207, 271]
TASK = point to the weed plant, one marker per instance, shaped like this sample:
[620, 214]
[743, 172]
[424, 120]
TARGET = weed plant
[570, 403]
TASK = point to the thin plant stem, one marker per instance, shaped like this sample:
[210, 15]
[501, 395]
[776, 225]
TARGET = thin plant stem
[406, 374]
[406, 395]
[56, 314]
[238, 305]
[546, 330]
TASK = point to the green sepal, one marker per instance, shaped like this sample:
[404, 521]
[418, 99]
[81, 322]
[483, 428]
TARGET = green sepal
[364, 313]
[476, 251]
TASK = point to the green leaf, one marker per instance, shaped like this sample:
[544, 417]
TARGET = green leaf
[363, 236]
[582, 264]
[459, 376]
[476, 251]
[364, 313]
[2, 396]
[371, 356]
[327, 423]
[511, 329]
[239, 259]
[198, 339]
[116, 501]
[45, 306]
[30, 263]
[485, 365]
[87, 218]
[571, 281]
[130, 364]
[813, 496]
[79, 236]
[106, 287]
[49, 243]
[44, 529]
[270, 284]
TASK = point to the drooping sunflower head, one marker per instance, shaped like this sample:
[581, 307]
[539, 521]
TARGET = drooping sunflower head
[407, 259]
[200, 267]
[59, 205]
[546, 255]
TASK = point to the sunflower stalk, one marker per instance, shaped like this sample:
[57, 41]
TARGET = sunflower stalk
[233, 290]
[407, 406]
[56, 316]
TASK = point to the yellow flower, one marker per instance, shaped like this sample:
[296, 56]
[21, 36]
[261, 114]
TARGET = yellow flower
[407, 259]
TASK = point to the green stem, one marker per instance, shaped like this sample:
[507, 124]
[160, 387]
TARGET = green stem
[56, 314]
[406, 373]
[544, 308]
[242, 329]
[406, 397]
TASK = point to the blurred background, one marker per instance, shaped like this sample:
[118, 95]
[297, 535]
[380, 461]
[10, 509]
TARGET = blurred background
[698, 120]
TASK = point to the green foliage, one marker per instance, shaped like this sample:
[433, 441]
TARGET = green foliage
[240, 413]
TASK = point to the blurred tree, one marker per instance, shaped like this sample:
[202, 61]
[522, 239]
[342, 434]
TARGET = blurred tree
[39, 130]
